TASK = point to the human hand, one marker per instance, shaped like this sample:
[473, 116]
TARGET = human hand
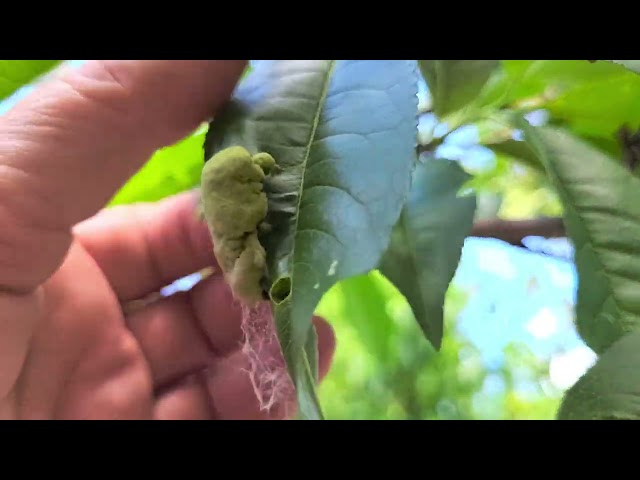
[67, 349]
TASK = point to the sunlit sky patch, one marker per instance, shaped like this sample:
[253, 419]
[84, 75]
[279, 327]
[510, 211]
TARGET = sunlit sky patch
[504, 306]
[543, 324]
[496, 260]
[567, 368]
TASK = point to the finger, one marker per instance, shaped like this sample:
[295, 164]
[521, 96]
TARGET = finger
[17, 323]
[188, 331]
[142, 248]
[227, 393]
[171, 340]
[231, 390]
[218, 314]
[68, 147]
[189, 400]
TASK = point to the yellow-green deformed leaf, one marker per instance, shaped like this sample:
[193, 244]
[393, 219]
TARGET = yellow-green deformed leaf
[455, 83]
[14, 74]
[610, 390]
[343, 134]
[601, 201]
[427, 241]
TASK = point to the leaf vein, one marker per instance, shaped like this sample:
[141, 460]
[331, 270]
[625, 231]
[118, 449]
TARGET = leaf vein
[314, 129]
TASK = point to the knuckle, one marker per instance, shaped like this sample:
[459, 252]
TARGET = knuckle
[128, 352]
[103, 90]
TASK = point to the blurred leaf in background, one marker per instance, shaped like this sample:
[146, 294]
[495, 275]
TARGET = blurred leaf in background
[14, 74]
[169, 171]
[384, 368]
[456, 83]
[592, 100]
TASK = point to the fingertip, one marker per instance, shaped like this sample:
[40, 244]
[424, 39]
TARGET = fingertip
[142, 248]
[326, 345]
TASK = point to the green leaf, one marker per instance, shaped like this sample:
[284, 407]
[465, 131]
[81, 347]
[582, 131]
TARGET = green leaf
[633, 65]
[306, 390]
[537, 82]
[344, 135]
[611, 146]
[601, 108]
[427, 241]
[601, 200]
[496, 131]
[610, 390]
[591, 99]
[455, 83]
[364, 301]
[519, 151]
[14, 74]
[311, 350]
[169, 171]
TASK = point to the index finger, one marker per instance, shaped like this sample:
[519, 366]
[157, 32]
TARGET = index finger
[67, 148]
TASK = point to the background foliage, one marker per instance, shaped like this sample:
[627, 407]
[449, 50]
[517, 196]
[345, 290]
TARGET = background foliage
[384, 367]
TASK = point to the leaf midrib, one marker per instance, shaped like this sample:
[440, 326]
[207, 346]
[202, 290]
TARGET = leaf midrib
[314, 129]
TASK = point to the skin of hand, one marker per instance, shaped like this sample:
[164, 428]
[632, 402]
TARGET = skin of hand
[69, 268]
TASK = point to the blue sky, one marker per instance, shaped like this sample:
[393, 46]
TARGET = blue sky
[515, 295]
[520, 296]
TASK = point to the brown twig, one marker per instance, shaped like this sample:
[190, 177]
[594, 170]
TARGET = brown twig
[514, 231]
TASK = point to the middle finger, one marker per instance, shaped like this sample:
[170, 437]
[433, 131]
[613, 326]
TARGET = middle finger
[188, 331]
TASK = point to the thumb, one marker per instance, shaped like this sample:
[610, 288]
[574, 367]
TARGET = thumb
[68, 147]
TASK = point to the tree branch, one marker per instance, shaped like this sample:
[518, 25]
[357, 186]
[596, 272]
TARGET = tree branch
[513, 231]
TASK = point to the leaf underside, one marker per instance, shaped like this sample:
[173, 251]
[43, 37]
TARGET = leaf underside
[344, 135]
[610, 390]
[601, 200]
[427, 241]
[455, 83]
